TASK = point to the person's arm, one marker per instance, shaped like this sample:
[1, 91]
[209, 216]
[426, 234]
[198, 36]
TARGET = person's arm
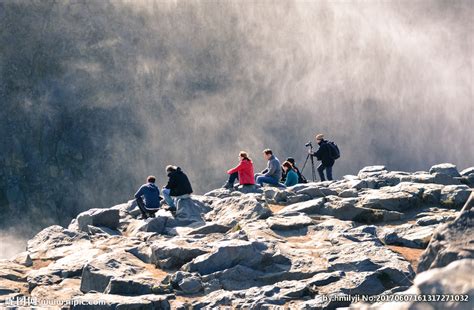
[139, 193]
[235, 169]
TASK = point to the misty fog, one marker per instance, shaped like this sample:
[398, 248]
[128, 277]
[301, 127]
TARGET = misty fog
[96, 95]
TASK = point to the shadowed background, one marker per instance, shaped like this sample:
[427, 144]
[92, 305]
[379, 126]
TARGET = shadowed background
[96, 95]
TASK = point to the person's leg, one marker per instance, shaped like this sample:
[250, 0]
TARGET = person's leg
[269, 180]
[230, 183]
[259, 179]
[234, 176]
[329, 172]
[141, 206]
[169, 201]
[321, 172]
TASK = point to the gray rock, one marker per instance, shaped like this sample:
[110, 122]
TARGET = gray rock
[450, 242]
[308, 207]
[349, 193]
[187, 282]
[98, 217]
[123, 269]
[210, 228]
[447, 169]
[297, 198]
[312, 191]
[399, 198]
[288, 222]
[409, 235]
[468, 171]
[229, 211]
[156, 224]
[227, 254]
[454, 196]
[56, 242]
[174, 254]
[23, 258]
[371, 171]
[188, 211]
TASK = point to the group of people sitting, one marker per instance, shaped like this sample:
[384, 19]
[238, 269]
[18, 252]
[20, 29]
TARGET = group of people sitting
[148, 195]
[282, 175]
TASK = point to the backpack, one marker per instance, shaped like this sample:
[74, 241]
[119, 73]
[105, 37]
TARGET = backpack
[335, 153]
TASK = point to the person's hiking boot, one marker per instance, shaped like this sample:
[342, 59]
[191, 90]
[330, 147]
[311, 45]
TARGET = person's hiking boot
[227, 185]
[143, 217]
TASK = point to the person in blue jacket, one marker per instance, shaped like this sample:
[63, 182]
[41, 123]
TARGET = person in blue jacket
[148, 198]
[291, 175]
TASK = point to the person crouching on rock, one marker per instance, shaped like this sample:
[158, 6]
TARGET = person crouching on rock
[271, 175]
[178, 186]
[291, 175]
[151, 194]
[242, 172]
[301, 178]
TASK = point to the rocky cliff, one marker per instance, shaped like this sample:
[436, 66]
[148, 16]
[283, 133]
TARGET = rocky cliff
[308, 246]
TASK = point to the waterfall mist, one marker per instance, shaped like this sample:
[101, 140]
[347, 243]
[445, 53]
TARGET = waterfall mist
[96, 95]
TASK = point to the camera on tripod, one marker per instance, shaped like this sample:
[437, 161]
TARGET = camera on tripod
[310, 157]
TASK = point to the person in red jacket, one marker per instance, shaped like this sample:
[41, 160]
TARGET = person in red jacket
[243, 172]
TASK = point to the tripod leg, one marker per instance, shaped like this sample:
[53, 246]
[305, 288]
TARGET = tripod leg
[304, 165]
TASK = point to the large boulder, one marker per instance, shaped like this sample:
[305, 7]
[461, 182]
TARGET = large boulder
[156, 225]
[55, 242]
[117, 273]
[228, 254]
[399, 198]
[175, 253]
[446, 169]
[450, 242]
[371, 171]
[229, 211]
[454, 196]
[188, 211]
[98, 217]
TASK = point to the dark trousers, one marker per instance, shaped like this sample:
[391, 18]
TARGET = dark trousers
[328, 169]
[234, 176]
[145, 212]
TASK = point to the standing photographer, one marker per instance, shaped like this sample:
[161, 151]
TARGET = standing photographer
[327, 154]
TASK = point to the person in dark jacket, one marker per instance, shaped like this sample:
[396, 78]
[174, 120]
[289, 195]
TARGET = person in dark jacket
[148, 198]
[178, 186]
[301, 178]
[324, 154]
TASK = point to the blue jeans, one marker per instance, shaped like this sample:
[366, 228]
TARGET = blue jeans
[169, 200]
[260, 179]
[328, 169]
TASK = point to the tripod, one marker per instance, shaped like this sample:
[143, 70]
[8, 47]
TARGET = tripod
[313, 170]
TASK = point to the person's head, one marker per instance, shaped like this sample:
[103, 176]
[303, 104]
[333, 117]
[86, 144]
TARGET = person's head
[151, 179]
[291, 160]
[287, 165]
[170, 168]
[319, 137]
[244, 156]
[267, 153]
